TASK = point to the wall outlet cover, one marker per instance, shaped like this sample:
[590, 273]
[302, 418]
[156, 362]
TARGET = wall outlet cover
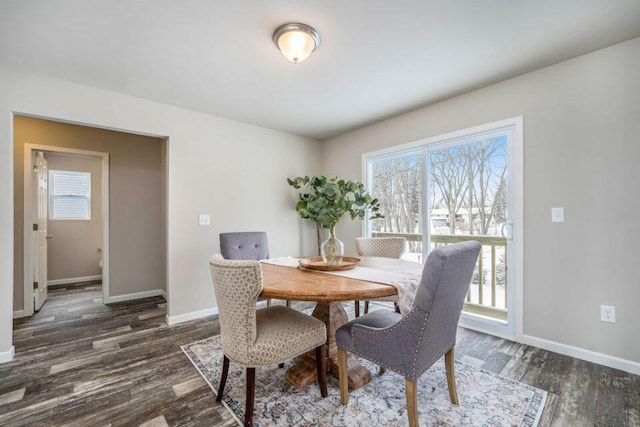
[608, 313]
[204, 219]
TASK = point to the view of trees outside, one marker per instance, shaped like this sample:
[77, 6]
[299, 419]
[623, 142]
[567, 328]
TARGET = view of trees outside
[467, 189]
[467, 194]
[397, 184]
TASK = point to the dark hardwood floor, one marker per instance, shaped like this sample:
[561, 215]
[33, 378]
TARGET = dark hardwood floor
[81, 363]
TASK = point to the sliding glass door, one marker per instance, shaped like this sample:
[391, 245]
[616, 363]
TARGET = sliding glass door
[455, 188]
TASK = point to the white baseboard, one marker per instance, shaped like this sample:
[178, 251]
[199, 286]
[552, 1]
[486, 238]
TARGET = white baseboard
[73, 280]
[163, 294]
[180, 318]
[7, 356]
[581, 353]
[136, 295]
[18, 314]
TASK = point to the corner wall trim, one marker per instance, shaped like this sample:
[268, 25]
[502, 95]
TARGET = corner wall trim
[581, 353]
[135, 295]
[74, 280]
[180, 318]
[7, 356]
[18, 314]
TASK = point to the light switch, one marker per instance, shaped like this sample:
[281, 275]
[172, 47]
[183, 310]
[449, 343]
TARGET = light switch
[204, 219]
[557, 214]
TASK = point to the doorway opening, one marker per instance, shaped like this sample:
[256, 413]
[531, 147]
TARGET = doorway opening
[82, 232]
[133, 240]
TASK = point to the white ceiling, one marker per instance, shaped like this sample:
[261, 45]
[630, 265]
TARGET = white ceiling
[377, 58]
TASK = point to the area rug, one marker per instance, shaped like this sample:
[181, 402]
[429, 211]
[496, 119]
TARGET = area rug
[486, 399]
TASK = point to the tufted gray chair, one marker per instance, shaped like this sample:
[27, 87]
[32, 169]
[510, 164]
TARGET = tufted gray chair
[387, 247]
[251, 245]
[409, 345]
[262, 337]
[247, 245]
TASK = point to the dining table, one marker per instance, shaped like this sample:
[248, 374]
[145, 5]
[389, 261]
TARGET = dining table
[328, 291]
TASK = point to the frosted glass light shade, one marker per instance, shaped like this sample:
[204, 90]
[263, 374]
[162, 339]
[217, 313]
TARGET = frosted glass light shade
[296, 41]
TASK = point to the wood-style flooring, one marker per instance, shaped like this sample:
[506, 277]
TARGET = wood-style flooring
[81, 363]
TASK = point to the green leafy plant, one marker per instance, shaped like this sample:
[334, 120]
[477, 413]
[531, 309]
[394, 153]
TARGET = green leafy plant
[325, 201]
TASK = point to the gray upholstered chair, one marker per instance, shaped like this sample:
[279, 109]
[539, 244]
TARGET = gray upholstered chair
[249, 245]
[246, 245]
[387, 247]
[260, 337]
[409, 345]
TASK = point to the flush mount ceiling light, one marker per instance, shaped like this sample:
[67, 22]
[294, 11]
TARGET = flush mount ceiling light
[296, 41]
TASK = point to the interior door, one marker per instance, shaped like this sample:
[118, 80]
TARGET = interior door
[40, 232]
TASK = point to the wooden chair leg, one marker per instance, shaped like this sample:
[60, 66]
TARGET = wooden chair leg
[223, 378]
[321, 367]
[449, 364]
[366, 307]
[412, 402]
[357, 308]
[288, 303]
[269, 302]
[251, 389]
[343, 375]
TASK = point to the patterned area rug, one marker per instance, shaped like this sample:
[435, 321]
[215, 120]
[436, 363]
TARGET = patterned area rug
[486, 399]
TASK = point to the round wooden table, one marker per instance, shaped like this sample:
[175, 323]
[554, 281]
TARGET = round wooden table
[281, 282]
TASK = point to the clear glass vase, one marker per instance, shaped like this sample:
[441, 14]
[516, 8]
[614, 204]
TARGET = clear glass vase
[332, 249]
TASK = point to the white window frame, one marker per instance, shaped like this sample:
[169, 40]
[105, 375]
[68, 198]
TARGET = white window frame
[53, 195]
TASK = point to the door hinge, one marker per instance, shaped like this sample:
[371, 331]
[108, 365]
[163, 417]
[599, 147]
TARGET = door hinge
[35, 227]
[35, 285]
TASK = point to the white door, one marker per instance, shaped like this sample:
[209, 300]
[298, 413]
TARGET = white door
[40, 232]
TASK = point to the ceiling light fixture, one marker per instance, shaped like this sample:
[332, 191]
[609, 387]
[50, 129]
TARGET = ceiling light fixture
[296, 41]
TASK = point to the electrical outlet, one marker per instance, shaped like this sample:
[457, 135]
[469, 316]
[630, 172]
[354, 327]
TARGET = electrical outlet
[608, 313]
[204, 219]
[557, 214]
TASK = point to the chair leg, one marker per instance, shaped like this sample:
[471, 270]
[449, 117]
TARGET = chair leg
[357, 308]
[344, 375]
[321, 367]
[412, 402]
[382, 369]
[251, 389]
[288, 303]
[223, 378]
[366, 307]
[269, 302]
[451, 379]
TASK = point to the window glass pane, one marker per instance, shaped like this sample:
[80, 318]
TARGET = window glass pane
[70, 183]
[68, 207]
[396, 183]
[467, 187]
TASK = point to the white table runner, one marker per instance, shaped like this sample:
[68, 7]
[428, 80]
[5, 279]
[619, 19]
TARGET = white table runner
[402, 275]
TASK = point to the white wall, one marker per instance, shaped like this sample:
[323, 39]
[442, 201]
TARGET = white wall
[581, 152]
[234, 171]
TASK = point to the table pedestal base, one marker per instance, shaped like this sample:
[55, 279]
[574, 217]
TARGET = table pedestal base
[303, 372]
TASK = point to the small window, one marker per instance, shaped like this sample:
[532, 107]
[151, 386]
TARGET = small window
[70, 195]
